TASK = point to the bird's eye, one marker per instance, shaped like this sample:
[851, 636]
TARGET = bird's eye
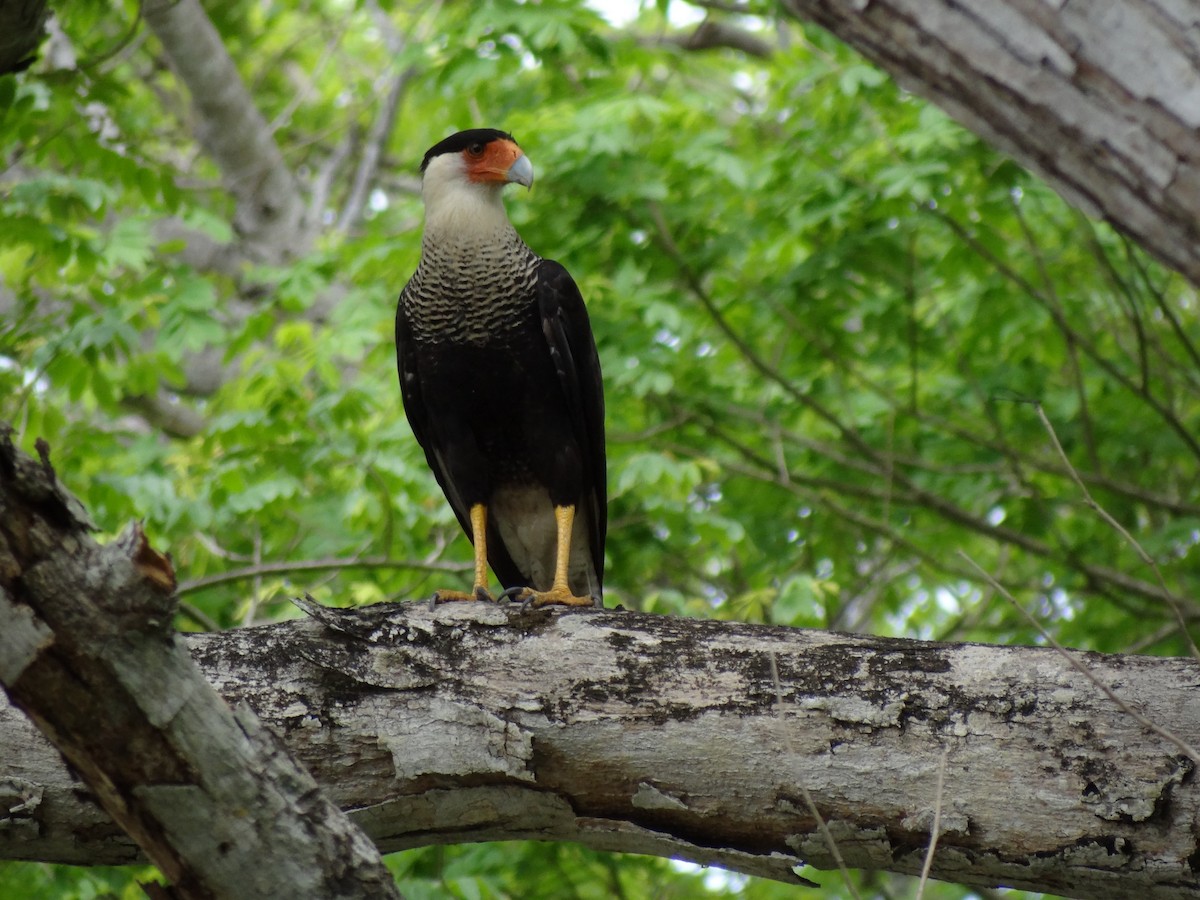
[475, 150]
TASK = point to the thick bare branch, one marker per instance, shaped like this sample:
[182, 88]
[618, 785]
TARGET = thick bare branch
[651, 734]
[87, 651]
[748, 747]
[1102, 100]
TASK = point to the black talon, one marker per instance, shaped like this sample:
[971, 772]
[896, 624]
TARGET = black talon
[510, 593]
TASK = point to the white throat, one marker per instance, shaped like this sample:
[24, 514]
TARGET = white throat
[456, 206]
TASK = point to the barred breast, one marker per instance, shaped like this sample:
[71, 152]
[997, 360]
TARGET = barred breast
[501, 275]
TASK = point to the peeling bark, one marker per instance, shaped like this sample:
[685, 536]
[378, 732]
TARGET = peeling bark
[1102, 100]
[87, 652]
[638, 733]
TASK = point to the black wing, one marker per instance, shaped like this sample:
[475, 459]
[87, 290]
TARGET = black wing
[573, 351]
[418, 413]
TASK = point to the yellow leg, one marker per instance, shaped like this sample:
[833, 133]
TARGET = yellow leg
[479, 538]
[560, 592]
[564, 518]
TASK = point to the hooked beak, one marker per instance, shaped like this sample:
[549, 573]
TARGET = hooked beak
[521, 171]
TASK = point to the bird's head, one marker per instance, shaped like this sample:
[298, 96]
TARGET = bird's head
[463, 174]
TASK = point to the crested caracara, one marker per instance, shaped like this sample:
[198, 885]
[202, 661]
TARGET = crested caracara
[501, 382]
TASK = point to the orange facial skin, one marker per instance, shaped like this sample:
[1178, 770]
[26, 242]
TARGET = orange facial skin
[491, 162]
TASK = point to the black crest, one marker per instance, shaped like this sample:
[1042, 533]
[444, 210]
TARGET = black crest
[456, 143]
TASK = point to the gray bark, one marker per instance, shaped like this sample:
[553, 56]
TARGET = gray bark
[638, 733]
[270, 210]
[1102, 100]
[88, 653]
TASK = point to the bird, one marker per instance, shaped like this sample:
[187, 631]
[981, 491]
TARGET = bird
[500, 380]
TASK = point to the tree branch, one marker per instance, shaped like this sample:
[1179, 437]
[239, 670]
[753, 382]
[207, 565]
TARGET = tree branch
[631, 732]
[87, 652]
[382, 126]
[737, 9]
[318, 565]
[166, 414]
[713, 34]
[1098, 99]
[372, 152]
[270, 213]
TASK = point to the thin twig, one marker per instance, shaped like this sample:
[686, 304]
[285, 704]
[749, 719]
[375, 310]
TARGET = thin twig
[385, 503]
[1166, 414]
[256, 581]
[808, 800]
[737, 9]
[1083, 670]
[1164, 307]
[1035, 249]
[197, 615]
[1174, 602]
[210, 544]
[383, 124]
[643, 437]
[1122, 287]
[968, 620]
[318, 565]
[671, 246]
[1152, 640]
[322, 182]
[936, 829]
[125, 41]
[712, 34]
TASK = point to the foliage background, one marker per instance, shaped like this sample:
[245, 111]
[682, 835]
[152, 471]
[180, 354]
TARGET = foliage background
[827, 318]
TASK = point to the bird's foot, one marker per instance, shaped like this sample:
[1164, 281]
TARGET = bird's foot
[478, 595]
[528, 597]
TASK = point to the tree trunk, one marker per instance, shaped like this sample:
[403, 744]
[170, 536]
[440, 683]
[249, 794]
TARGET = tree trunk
[88, 651]
[639, 733]
[1102, 100]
